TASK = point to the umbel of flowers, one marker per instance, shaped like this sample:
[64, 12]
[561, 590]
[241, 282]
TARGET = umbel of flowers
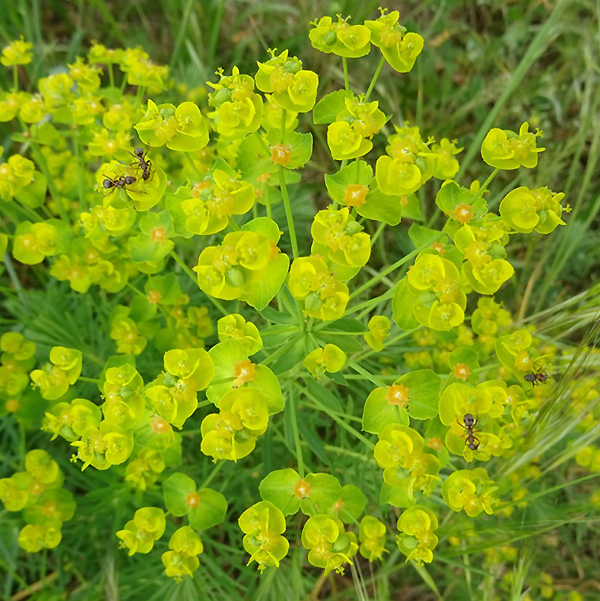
[122, 185]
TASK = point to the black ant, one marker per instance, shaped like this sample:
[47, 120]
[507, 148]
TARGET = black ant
[536, 377]
[469, 424]
[145, 165]
[114, 183]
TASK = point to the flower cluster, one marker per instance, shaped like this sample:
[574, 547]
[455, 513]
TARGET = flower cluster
[263, 526]
[37, 492]
[417, 539]
[125, 192]
[311, 281]
[247, 266]
[430, 295]
[469, 490]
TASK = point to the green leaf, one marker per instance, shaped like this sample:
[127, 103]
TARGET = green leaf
[411, 208]
[353, 503]
[346, 324]
[397, 496]
[325, 490]
[402, 306]
[175, 490]
[293, 355]
[278, 488]
[262, 287]
[378, 412]
[423, 393]
[278, 335]
[422, 236]
[253, 159]
[211, 510]
[327, 109]
[361, 173]
[325, 396]
[382, 207]
[34, 195]
[142, 249]
[278, 317]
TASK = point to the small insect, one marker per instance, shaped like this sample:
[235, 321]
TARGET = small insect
[469, 425]
[114, 183]
[536, 377]
[144, 164]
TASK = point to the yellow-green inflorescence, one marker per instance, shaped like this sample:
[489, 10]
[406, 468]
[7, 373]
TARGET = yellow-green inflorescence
[212, 178]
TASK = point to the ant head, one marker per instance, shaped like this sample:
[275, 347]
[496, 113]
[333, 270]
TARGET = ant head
[129, 179]
[138, 151]
[469, 420]
[108, 183]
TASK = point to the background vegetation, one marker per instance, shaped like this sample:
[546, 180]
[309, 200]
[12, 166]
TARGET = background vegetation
[486, 63]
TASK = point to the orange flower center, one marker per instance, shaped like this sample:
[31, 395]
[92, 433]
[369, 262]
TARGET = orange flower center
[301, 489]
[463, 213]
[461, 371]
[244, 372]
[154, 297]
[281, 154]
[158, 234]
[159, 425]
[355, 195]
[192, 500]
[434, 443]
[12, 405]
[397, 394]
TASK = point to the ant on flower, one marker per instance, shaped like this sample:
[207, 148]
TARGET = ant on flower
[469, 424]
[144, 164]
[114, 183]
[536, 377]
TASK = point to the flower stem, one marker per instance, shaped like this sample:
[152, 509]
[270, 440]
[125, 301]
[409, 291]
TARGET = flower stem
[294, 411]
[375, 78]
[288, 212]
[366, 374]
[486, 183]
[346, 79]
[16, 78]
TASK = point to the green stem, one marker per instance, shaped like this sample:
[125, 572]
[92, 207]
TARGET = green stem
[373, 302]
[139, 97]
[346, 79]
[486, 183]
[111, 75]
[288, 212]
[16, 78]
[191, 275]
[212, 475]
[294, 410]
[90, 380]
[366, 374]
[375, 78]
